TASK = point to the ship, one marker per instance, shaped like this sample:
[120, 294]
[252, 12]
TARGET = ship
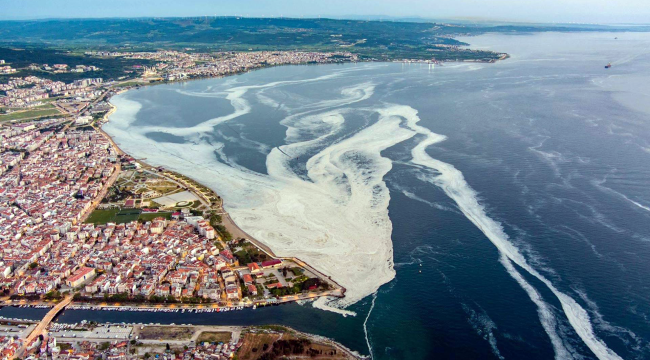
[608, 66]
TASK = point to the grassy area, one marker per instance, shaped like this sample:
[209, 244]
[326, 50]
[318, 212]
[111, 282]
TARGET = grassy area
[210, 336]
[102, 216]
[120, 216]
[151, 216]
[127, 215]
[129, 83]
[44, 111]
[166, 333]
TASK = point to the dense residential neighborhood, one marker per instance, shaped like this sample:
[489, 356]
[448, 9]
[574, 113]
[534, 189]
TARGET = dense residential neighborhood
[82, 222]
[55, 175]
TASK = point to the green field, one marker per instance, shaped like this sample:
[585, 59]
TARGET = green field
[47, 110]
[151, 216]
[102, 216]
[130, 83]
[126, 215]
[120, 216]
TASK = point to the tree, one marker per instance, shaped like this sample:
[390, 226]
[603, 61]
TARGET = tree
[167, 347]
[33, 265]
[52, 295]
[215, 220]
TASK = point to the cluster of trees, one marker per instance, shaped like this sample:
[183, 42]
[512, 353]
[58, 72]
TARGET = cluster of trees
[121, 297]
[162, 299]
[310, 282]
[53, 295]
[124, 297]
[216, 222]
[295, 289]
[243, 257]
[285, 348]
[223, 233]
[255, 254]
[110, 67]
[25, 297]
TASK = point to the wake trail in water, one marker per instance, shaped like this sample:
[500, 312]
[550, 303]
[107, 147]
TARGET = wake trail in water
[453, 183]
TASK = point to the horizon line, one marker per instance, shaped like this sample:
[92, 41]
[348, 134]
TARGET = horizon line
[374, 18]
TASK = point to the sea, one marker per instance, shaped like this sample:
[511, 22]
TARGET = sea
[471, 210]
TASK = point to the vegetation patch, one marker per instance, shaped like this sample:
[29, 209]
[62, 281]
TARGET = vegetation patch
[166, 333]
[144, 217]
[30, 114]
[214, 337]
[100, 217]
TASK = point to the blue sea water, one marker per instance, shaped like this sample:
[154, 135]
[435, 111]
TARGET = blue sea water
[541, 249]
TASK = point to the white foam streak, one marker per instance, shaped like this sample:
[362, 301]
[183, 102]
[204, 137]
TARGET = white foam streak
[323, 303]
[453, 183]
[599, 185]
[335, 218]
[543, 310]
[365, 323]
[239, 104]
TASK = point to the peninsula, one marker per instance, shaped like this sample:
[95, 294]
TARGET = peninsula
[85, 225]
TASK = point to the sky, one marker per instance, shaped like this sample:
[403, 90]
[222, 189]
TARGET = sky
[566, 11]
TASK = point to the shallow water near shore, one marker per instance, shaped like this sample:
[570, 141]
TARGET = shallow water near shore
[472, 210]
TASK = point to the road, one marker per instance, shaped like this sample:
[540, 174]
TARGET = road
[45, 322]
[111, 180]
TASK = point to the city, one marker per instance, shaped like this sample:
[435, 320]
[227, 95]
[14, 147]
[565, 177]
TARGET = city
[58, 172]
[341, 180]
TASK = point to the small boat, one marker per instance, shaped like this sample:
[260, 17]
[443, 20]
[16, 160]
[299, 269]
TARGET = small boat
[608, 66]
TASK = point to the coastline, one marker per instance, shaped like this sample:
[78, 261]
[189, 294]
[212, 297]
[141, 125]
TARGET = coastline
[197, 329]
[236, 231]
[160, 81]
[228, 222]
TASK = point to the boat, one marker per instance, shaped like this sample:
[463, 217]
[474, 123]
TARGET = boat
[608, 66]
